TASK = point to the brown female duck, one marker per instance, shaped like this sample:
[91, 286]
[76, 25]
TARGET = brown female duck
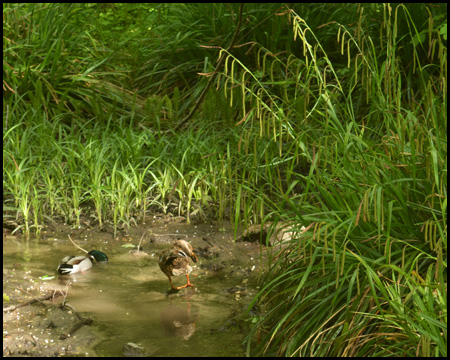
[175, 261]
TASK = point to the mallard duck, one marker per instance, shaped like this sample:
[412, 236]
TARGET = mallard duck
[74, 264]
[175, 261]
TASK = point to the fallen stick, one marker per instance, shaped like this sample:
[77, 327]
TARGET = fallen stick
[52, 295]
[79, 247]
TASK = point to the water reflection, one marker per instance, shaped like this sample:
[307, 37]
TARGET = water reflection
[126, 297]
[177, 321]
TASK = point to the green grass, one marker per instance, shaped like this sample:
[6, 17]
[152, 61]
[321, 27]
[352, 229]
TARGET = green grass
[335, 121]
[375, 196]
[114, 177]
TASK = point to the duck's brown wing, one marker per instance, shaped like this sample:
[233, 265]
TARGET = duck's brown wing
[168, 259]
[177, 263]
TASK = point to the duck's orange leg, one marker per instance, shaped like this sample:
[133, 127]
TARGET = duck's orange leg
[188, 283]
[171, 285]
[180, 287]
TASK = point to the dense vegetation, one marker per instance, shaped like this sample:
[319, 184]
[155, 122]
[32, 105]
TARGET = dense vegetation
[327, 116]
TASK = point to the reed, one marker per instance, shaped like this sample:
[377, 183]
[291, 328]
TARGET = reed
[334, 120]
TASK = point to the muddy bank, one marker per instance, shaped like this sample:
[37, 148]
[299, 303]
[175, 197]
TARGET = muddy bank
[126, 304]
[44, 328]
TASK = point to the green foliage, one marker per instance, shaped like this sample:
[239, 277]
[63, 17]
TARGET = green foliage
[54, 68]
[327, 116]
[114, 176]
[371, 191]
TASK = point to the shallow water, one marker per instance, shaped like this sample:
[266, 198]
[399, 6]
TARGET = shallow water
[128, 298]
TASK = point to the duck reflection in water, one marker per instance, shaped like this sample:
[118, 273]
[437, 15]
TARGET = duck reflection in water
[178, 322]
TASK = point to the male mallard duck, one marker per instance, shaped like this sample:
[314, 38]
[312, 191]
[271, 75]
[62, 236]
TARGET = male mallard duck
[175, 261]
[74, 264]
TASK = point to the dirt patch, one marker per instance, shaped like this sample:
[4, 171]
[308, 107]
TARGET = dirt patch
[43, 328]
[226, 270]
